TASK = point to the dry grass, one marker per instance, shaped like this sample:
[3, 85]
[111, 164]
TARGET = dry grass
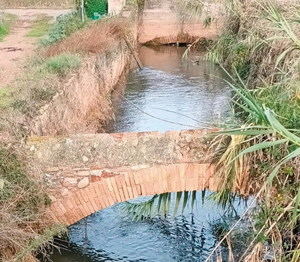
[37, 3]
[95, 39]
[23, 226]
[50, 101]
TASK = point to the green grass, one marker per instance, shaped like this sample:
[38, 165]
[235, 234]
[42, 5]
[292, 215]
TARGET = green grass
[40, 27]
[5, 96]
[6, 22]
[62, 64]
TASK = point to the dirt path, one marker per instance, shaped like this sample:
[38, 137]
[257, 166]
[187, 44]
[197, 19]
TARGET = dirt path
[16, 47]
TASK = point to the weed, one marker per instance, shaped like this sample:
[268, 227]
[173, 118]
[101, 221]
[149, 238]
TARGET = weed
[64, 26]
[40, 27]
[62, 64]
[22, 203]
[5, 96]
[96, 38]
[6, 21]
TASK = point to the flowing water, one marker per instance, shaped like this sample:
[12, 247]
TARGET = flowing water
[167, 94]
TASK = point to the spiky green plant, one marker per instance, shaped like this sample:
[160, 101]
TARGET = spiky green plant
[160, 205]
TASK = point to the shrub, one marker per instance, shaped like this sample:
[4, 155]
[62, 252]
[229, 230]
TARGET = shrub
[64, 26]
[6, 21]
[62, 64]
[3, 30]
[22, 201]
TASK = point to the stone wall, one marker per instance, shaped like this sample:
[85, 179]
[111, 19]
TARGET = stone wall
[86, 173]
[118, 150]
[91, 191]
[163, 23]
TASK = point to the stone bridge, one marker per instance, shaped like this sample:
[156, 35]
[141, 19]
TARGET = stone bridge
[166, 22]
[89, 172]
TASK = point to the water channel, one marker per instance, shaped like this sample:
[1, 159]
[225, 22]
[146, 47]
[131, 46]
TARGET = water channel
[167, 94]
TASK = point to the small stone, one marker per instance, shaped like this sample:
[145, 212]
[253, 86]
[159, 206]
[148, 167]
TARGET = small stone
[70, 181]
[32, 148]
[85, 159]
[52, 198]
[83, 182]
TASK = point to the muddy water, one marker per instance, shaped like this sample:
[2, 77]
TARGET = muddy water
[166, 94]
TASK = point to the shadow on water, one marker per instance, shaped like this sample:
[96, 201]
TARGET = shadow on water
[188, 95]
[112, 235]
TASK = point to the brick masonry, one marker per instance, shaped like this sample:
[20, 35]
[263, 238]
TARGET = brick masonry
[162, 22]
[89, 172]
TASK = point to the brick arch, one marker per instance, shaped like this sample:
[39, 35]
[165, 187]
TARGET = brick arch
[111, 187]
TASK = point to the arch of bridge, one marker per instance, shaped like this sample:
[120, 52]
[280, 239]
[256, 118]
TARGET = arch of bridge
[106, 188]
[89, 172]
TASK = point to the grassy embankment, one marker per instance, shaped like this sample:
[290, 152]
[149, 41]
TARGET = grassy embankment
[23, 201]
[62, 52]
[260, 48]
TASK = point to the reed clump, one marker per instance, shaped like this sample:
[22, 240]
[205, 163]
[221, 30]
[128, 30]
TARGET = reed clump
[261, 52]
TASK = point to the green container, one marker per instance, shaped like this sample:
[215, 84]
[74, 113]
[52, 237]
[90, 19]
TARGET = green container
[96, 16]
[96, 8]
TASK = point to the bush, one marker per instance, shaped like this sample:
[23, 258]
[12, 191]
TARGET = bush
[96, 6]
[62, 64]
[64, 26]
[6, 21]
[3, 30]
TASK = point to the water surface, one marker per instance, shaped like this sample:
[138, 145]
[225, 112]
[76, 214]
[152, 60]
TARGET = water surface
[167, 94]
[171, 94]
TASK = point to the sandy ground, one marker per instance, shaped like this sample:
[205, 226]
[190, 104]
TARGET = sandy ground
[16, 47]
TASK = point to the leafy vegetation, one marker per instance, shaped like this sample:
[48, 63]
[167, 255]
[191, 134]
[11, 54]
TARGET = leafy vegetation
[260, 50]
[64, 27]
[6, 21]
[267, 144]
[160, 205]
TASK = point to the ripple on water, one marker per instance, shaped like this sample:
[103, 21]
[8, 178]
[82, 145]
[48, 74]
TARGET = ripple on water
[182, 92]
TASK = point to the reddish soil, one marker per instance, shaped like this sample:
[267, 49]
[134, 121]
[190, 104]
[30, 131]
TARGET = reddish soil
[16, 47]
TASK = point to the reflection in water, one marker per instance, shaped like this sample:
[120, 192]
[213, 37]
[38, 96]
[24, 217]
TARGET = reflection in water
[180, 92]
[113, 236]
[173, 90]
